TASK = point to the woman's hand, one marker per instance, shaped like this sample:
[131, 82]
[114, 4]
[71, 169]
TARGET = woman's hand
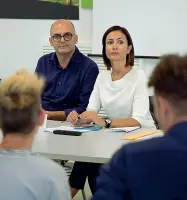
[73, 117]
[92, 117]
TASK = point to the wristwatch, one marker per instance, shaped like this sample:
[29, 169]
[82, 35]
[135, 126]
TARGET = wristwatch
[108, 123]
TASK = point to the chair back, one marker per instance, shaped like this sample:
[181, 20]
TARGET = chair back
[151, 108]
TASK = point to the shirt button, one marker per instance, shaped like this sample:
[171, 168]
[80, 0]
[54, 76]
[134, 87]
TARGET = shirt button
[59, 83]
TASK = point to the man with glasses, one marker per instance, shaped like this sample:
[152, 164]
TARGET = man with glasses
[70, 76]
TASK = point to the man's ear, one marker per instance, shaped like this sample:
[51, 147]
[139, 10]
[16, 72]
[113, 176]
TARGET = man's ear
[164, 104]
[76, 39]
[160, 102]
[129, 49]
[41, 117]
[50, 41]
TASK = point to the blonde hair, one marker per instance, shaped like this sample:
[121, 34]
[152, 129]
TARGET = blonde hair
[20, 96]
[20, 90]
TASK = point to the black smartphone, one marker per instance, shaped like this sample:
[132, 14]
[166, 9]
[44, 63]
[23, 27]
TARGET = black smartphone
[66, 132]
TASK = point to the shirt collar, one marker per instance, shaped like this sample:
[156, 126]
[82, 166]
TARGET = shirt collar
[16, 152]
[179, 131]
[76, 58]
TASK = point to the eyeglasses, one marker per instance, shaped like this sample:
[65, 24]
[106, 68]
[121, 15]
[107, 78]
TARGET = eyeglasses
[57, 37]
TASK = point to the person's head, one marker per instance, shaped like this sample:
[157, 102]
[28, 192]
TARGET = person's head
[169, 81]
[117, 46]
[20, 104]
[63, 37]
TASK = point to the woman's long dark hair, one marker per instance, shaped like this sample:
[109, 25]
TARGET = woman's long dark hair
[130, 56]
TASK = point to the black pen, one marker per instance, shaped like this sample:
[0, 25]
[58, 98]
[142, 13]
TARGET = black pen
[78, 120]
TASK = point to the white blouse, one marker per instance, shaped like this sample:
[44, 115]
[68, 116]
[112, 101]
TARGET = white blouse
[124, 98]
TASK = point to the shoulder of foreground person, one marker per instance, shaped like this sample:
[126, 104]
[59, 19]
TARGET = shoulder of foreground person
[114, 177]
[53, 174]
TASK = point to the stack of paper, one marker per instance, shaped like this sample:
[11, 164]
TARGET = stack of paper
[70, 128]
[123, 129]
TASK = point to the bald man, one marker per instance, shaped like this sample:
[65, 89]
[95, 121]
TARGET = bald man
[70, 75]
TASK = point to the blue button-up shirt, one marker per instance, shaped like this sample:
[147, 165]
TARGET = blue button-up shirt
[69, 88]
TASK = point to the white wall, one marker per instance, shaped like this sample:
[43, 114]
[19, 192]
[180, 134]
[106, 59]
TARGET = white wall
[22, 40]
[157, 27]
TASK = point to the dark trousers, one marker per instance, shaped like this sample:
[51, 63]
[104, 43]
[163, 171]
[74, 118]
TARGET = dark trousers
[82, 170]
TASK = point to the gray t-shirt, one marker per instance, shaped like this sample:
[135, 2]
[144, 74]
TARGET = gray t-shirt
[28, 176]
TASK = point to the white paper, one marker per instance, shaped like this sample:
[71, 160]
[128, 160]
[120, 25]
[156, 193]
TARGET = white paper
[43, 127]
[67, 128]
[123, 129]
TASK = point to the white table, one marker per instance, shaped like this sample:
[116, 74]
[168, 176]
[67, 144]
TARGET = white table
[95, 146]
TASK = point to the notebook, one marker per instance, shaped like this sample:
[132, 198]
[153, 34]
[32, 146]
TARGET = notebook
[123, 129]
[88, 128]
[142, 134]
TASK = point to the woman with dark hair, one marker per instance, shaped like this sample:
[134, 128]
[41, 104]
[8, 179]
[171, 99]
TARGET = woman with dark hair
[126, 36]
[121, 91]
